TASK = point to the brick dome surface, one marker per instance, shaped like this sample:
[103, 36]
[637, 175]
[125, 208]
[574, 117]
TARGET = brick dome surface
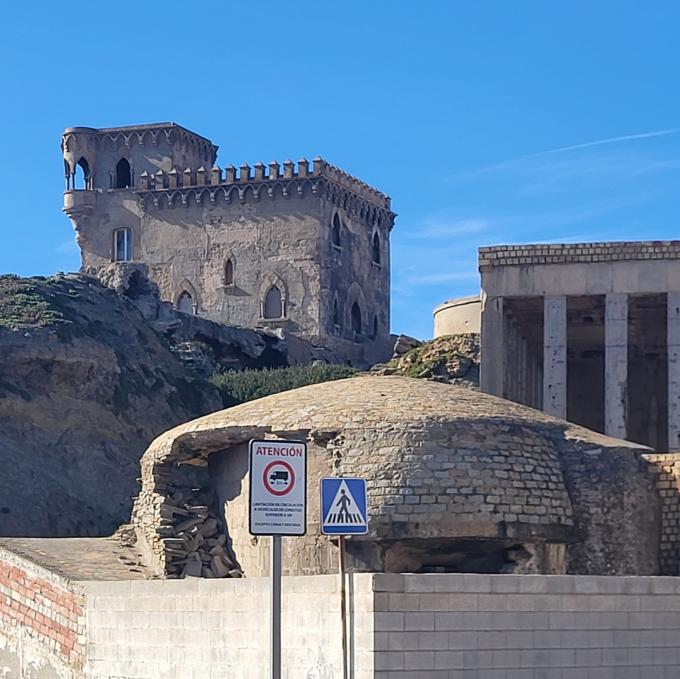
[441, 462]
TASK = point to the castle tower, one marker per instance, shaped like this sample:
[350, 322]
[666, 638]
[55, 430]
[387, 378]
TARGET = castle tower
[299, 248]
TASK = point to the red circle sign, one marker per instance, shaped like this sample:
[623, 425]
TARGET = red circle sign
[284, 476]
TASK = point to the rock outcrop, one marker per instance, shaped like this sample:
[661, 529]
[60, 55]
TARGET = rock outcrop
[85, 384]
[453, 359]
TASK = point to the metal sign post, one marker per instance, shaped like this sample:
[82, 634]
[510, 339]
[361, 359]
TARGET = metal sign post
[275, 607]
[343, 512]
[343, 605]
[277, 507]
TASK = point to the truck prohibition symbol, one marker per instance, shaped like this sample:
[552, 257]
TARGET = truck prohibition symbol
[279, 475]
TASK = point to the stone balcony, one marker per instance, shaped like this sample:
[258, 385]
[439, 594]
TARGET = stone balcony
[78, 201]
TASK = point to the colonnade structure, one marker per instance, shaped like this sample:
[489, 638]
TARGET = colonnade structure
[589, 332]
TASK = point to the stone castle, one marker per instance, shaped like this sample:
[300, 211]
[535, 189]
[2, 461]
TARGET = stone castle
[300, 249]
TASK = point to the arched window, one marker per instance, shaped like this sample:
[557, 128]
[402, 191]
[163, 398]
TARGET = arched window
[356, 319]
[229, 273]
[122, 245]
[273, 306]
[335, 231]
[375, 254]
[123, 175]
[82, 178]
[374, 331]
[185, 303]
[336, 314]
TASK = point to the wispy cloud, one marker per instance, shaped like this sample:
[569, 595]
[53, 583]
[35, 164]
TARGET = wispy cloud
[447, 277]
[438, 226]
[609, 140]
[525, 158]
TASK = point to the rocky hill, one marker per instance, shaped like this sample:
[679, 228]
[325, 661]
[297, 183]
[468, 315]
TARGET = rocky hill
[85, 385]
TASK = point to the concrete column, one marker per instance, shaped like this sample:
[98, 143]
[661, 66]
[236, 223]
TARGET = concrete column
[492, 368]
[673, 371]
[615, 364]
[555, 355]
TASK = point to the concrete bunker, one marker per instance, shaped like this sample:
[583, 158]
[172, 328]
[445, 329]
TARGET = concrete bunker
[457, 481]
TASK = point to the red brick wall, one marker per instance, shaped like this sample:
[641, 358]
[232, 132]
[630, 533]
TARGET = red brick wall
[49, 612]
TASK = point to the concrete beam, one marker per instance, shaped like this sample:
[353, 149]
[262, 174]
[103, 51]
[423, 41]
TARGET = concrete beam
[616, 364]
[674, 371]
[555, 355]
[492, 364]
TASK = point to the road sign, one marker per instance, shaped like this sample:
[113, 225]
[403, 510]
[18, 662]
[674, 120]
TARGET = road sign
[343, 506]
[278, 488]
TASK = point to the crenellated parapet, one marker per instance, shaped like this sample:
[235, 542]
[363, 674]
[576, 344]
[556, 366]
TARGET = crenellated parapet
[153, 135]
[203, 186]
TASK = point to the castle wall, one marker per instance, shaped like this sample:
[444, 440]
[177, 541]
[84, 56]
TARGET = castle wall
[186, 249]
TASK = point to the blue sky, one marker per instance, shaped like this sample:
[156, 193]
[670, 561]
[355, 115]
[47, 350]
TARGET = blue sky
[487, 122]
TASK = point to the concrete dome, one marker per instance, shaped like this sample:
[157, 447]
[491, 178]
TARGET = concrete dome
[457, 480]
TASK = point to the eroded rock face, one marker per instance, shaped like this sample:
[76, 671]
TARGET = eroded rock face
[453, 359]
[85, 385]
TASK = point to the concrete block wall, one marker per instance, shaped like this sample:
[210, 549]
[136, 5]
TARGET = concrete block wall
[526, 627]
[179, 629]
[666, 470]
[42, 622]
[441, 626]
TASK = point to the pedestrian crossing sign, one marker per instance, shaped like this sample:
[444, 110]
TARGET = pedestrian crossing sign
[343, 506]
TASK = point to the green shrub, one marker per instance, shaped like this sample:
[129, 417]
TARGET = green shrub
[239, 387]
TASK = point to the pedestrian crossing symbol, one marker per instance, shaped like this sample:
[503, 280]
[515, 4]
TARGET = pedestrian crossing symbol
[343, 506]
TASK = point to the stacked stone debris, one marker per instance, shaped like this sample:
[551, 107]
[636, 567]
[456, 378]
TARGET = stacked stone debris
[189, 539]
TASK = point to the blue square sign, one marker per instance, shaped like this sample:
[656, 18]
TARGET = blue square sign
[343, 506]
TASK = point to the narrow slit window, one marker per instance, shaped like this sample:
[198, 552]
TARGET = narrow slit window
[335, 233]
[122, 245]
[336, 314]
[229, 273]
[356, 319]
[376, 249]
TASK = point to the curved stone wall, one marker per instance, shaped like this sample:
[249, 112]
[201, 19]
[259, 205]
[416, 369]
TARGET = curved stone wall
[456, 480]
[459, 316]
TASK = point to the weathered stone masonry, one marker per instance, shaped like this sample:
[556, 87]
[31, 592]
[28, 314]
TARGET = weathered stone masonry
[666, 470]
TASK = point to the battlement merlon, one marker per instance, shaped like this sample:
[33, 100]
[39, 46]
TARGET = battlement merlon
[259, 175]
[576, 253]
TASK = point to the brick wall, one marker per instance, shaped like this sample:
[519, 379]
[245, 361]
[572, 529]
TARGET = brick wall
[515, 255]
[41, 617]
[666, 470]
[526, 627]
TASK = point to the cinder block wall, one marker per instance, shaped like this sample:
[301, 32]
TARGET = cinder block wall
[526, 627]
[179, 629]
[402, 627]
[666, 470]
[41, 622]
